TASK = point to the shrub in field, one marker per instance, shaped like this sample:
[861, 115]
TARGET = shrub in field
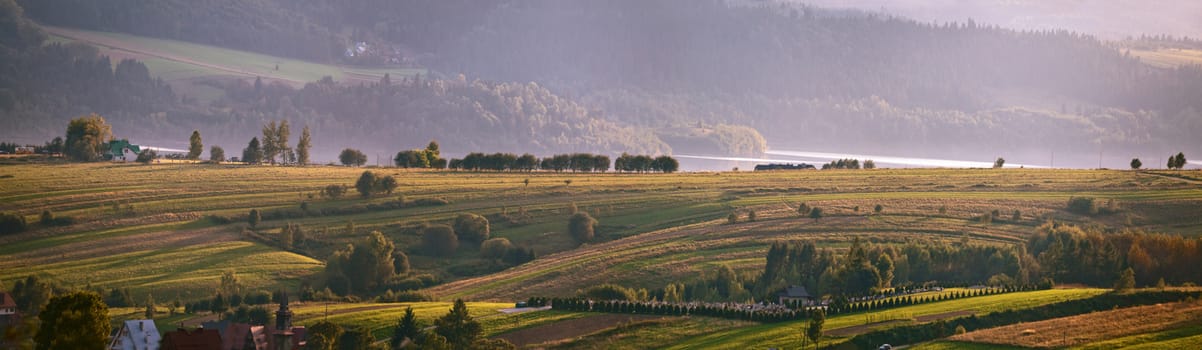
[147, 156]
[1083, 206]
[385, 184]
[366, 184]
[516, 255]
[582, 227]
[878, 209]
[732, 218]
[400, 262]
[494, 248]
[471, 227]
[439, 240]
[751, 216]
[333, 191]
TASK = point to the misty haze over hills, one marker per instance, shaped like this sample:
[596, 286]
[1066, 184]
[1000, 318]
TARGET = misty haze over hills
[1108, 19]
[705, 78]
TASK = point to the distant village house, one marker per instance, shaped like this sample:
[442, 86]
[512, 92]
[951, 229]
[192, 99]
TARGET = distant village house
[136, 335]
[123, 151]
[795, 294]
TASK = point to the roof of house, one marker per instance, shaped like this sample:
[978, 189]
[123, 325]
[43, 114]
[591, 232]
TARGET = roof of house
[795, 292]
[238, 335]
[196, 339]
[137, 335]
[116, 145]
[7, 301]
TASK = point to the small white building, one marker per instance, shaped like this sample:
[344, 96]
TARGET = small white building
[136, 335]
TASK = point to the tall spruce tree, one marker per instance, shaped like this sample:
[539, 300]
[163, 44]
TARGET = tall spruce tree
[195, 146]
[302, 147]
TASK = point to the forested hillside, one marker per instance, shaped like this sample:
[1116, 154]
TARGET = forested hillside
[52, 83]
[847, 81]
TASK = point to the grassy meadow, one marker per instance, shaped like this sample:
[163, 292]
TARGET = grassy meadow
[172, 229]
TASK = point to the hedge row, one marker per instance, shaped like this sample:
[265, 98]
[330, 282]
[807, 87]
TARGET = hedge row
[752, 312]
[939, 329]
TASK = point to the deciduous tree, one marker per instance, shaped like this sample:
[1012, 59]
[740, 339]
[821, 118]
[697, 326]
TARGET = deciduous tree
[352, 157]
[77, 320]
[86, 137]
[366, 185]
[217, 154]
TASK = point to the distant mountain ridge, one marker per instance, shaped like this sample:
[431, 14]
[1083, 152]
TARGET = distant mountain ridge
[846, 81]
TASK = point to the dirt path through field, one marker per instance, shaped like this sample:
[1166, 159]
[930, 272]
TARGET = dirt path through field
[569, 329]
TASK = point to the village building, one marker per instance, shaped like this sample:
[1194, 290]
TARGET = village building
[123, 151]
[196, 339]
[795, 294]
[8, 311]
[136, 335]
[242, 336]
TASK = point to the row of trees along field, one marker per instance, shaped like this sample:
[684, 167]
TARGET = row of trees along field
[1057, 253]
[577, 162]
[431, 157]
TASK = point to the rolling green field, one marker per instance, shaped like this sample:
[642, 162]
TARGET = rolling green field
[149, 228]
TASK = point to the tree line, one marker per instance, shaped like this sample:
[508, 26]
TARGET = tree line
[768, 314]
